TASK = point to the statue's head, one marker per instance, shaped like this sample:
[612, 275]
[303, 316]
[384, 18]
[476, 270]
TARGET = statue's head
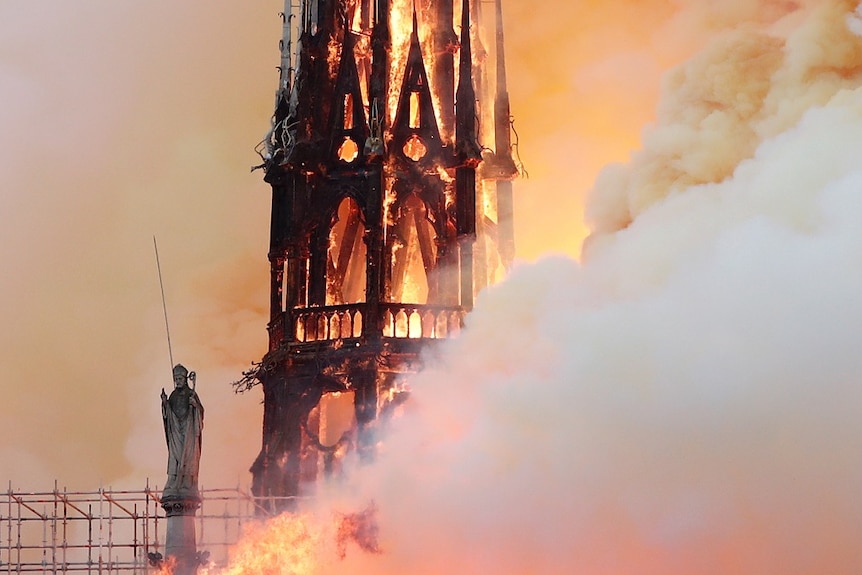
[181, 375]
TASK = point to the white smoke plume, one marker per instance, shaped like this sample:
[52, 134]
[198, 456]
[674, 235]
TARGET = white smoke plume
[745, 87]
[689, 400]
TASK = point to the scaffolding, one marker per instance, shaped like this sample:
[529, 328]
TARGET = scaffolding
[111, 531]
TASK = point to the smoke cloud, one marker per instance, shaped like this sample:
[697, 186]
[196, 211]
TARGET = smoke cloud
[745, 87]
[584, 77]
[687, 401]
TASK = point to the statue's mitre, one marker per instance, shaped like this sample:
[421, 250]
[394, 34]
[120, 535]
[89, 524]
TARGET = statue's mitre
[180, 370]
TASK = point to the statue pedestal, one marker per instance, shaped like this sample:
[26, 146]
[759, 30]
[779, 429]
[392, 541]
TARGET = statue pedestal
[180, 541]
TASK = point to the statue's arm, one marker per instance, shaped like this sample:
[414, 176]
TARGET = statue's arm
[195, 401]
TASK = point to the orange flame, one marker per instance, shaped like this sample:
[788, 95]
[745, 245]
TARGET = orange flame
[400, 23]
[285, 545]
[333, 55]
[361, 528]
[166, 567]
[302, 544]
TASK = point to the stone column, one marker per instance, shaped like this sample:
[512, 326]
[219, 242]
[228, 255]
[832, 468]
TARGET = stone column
[181, 541]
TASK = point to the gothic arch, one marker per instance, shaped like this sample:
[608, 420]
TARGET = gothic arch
[346, 254]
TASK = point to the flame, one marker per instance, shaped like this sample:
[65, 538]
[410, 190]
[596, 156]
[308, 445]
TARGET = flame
[362, 51]
[388, 202]
[489, 198]
[400, 25]
[356, 20]
[285, 545]
[361, 528]
[332, 56]
[414, 110]
[415, 286]
[301, 544]
[414, 148]
[166, 567]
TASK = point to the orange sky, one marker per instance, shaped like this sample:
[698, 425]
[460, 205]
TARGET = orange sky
[123, 122]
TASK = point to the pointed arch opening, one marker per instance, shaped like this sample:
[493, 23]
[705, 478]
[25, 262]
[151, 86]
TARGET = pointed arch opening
[414, 253]
[346, 257]
[414, 120]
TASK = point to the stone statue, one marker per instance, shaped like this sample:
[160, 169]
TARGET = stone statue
[183, 415]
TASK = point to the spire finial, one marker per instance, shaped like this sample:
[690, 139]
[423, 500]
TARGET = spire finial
[501, 54]
[465, 101]
[466, 50]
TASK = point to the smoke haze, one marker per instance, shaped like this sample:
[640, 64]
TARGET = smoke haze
[686, 401]
[121, 122]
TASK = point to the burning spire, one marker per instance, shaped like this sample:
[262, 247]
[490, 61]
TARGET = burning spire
[468, 156]
[373, 223]
[503, 169]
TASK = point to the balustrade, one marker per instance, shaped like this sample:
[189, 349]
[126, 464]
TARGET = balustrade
[397, 320]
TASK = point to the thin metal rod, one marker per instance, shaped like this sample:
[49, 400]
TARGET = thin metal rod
[164, 304]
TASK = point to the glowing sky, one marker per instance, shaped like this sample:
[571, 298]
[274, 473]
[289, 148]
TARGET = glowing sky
[121, 121]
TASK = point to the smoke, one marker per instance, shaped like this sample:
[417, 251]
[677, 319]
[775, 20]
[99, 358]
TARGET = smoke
[747, 86]
[688, 399]
[121, 121]
[584, 79]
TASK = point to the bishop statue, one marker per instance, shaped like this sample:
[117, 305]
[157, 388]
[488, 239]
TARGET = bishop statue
[183, 416]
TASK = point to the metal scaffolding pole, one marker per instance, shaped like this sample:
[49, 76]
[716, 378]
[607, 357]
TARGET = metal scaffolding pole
[109, 531]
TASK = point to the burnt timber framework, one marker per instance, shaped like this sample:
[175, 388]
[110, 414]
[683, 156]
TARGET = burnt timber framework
[388, 215]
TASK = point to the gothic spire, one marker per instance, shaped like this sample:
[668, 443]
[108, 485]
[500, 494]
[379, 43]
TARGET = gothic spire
[415, 131]
[505, 169]
[467, 146]
[502, 137]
